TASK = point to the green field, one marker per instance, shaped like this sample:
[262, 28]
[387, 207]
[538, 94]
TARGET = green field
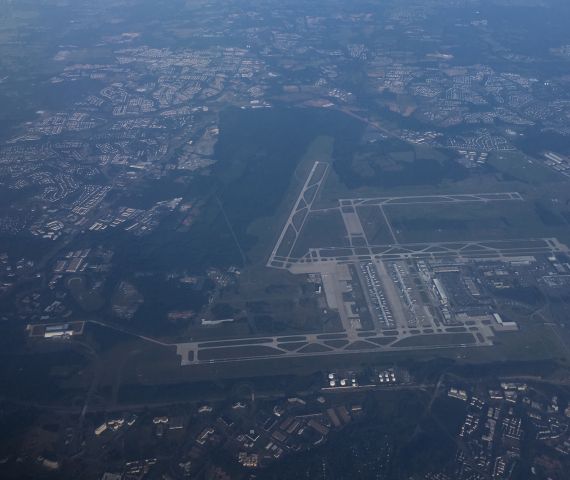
[374, 225]
[321, 229]
[467, 221]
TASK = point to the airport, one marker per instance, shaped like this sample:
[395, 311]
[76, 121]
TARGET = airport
[390, 297]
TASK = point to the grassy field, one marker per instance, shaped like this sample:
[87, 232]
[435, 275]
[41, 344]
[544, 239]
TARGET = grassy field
[388, 173]
[237, 352]
[321, 229]
[532, 342]
[436, 340]
[276, 302]
[374, 225]
[521, 167]
[87, 298]
[467, 221]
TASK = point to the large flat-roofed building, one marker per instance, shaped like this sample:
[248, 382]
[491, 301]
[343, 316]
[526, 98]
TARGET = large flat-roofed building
[60, 330]
[504, 326]
[56, 330]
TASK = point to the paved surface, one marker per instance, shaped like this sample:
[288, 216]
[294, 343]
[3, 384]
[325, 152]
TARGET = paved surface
[318, 344]
[492, 249]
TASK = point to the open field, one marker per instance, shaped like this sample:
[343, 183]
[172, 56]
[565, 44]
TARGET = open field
[437, 340]
[321, 228]
[464, 222]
